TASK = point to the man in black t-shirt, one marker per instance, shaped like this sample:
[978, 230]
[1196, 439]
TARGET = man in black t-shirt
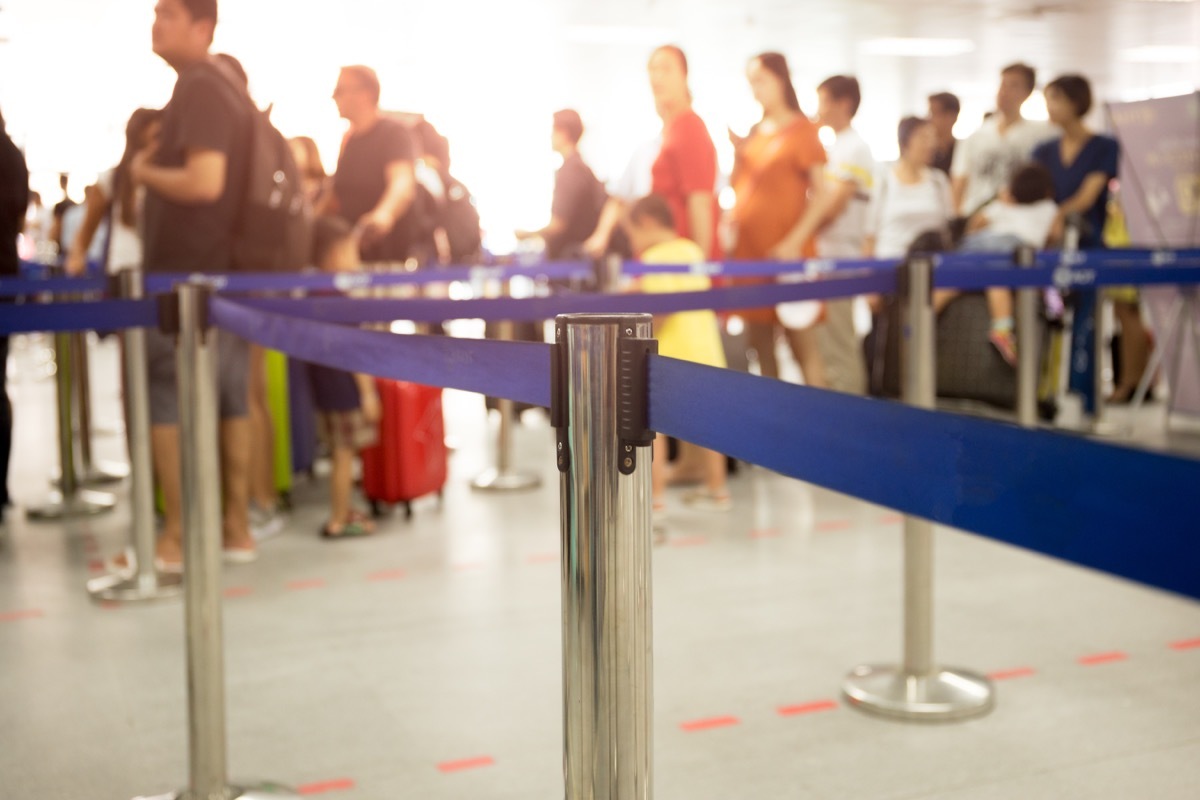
[14, 199]
[374, 186]
[579, 196]
[195, 177]
[943, 113]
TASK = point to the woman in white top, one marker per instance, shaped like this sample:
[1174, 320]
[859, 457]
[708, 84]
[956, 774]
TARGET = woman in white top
[911, 197]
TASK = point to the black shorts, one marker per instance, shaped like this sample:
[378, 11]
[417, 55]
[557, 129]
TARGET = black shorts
[232, 376]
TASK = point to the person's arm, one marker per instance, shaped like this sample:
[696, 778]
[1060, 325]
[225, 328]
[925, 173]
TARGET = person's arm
[1089, 192]
[200, 181]
[97, 208]
[555, 228]
[597, 243]
[700, 219]
[396, 200]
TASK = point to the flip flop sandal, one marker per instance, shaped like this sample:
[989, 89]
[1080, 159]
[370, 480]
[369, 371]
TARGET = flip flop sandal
[352, 529]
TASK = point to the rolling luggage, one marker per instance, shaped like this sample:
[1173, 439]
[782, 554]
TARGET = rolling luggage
[409, 461]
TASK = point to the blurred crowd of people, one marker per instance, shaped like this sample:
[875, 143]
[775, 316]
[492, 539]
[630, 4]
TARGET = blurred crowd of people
[172, 202]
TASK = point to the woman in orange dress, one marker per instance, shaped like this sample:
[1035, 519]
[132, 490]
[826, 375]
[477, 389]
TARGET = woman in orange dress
[778, 168]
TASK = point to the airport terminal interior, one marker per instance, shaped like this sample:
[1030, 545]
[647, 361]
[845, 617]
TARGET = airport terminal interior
[425, 660]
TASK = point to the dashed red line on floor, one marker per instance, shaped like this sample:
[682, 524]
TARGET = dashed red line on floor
[543, 558]
[688, 541]
[14, 616]
[766, 533]
[808, 708]
[1103, 658]
[387, 575]
[468, 566]
[834, 525]
[709, 724]
[338, 785]
[1012, 674]
[237, 591]
[299, 586]
[891, 519]
[1186, 644]
[466, 764]
[96, 565]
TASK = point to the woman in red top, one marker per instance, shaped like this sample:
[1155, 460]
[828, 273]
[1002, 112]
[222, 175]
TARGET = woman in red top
[777, 166]
[685, 172]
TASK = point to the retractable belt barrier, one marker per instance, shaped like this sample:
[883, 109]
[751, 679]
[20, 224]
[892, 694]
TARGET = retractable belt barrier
[1115, 509]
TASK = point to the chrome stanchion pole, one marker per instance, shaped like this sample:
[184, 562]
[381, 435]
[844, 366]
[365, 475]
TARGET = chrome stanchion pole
[198, 442]
[599, 410]
[1100, 424]
[68, 501]
[919, 689]
[1029, 345]
[504, 477]
[146, 582]
[90, 472]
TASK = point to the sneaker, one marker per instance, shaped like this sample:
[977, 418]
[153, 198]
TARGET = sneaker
[265, 523]
[1005, 344]
[239, 555]
[708, 500]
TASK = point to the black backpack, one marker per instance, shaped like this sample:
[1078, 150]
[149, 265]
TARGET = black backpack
[460, 220]
[275, 225]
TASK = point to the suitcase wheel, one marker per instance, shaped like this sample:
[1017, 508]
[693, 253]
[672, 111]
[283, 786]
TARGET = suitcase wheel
[377, 509]
[408, 514]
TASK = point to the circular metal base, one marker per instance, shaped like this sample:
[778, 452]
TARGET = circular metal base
[493, 480]
[100, 474]
[263, 790]
[124, 587]
[84, 503]
[945, 695]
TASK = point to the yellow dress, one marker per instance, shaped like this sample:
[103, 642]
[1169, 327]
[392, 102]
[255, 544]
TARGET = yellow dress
[688, 335]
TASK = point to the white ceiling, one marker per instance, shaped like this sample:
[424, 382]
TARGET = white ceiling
[489, 72]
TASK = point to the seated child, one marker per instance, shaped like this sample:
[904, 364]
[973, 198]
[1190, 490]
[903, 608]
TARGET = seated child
[1023, 214]
[689, 335]
[347, 405]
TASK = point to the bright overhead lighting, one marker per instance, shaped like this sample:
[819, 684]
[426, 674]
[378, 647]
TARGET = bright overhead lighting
[917, 47]
[1159, 54]
[618, 34]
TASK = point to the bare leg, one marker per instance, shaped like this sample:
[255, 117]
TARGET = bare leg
[235, 482]
[1135, 348]
[341, 483]
[262, 460]
[164, 446]
[762, 338]
[942, 298]
[716, 466]
[808, 355]
[1000, 304]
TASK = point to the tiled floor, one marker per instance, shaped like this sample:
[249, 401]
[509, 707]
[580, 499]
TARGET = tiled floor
[424, 662]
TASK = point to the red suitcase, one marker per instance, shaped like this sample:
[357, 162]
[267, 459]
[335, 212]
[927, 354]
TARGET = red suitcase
[409, 461]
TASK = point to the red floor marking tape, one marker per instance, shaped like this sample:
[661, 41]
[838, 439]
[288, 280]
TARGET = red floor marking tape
[1186, 644]
[1010, 674]
[1103, 658]
[835, 525]
[238, 591]
[96, 565]
[891, 519]
[688, 541]
[544, 558]
[388, 575]
[13, 616]
[809, 708]
[709, 724]
[766, 533]
[314, 583]
[468, 566]
[326, 786]
[465, 764]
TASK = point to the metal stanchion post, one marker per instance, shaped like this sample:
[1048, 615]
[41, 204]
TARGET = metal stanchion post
[196, 371]
[90, 472]
[146, 582]
[68, 501]
[1029, 346]
[919, 689]
[504, 477]
[1100, 424]
[599, 410]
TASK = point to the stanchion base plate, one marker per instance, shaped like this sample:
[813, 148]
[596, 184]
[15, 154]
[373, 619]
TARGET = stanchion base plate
[124, 587]
[264, 790]
[945, 695]
[493, 480]
[84, 504]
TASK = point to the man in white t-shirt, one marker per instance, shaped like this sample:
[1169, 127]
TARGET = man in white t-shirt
[984, 161]
[850, 175]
